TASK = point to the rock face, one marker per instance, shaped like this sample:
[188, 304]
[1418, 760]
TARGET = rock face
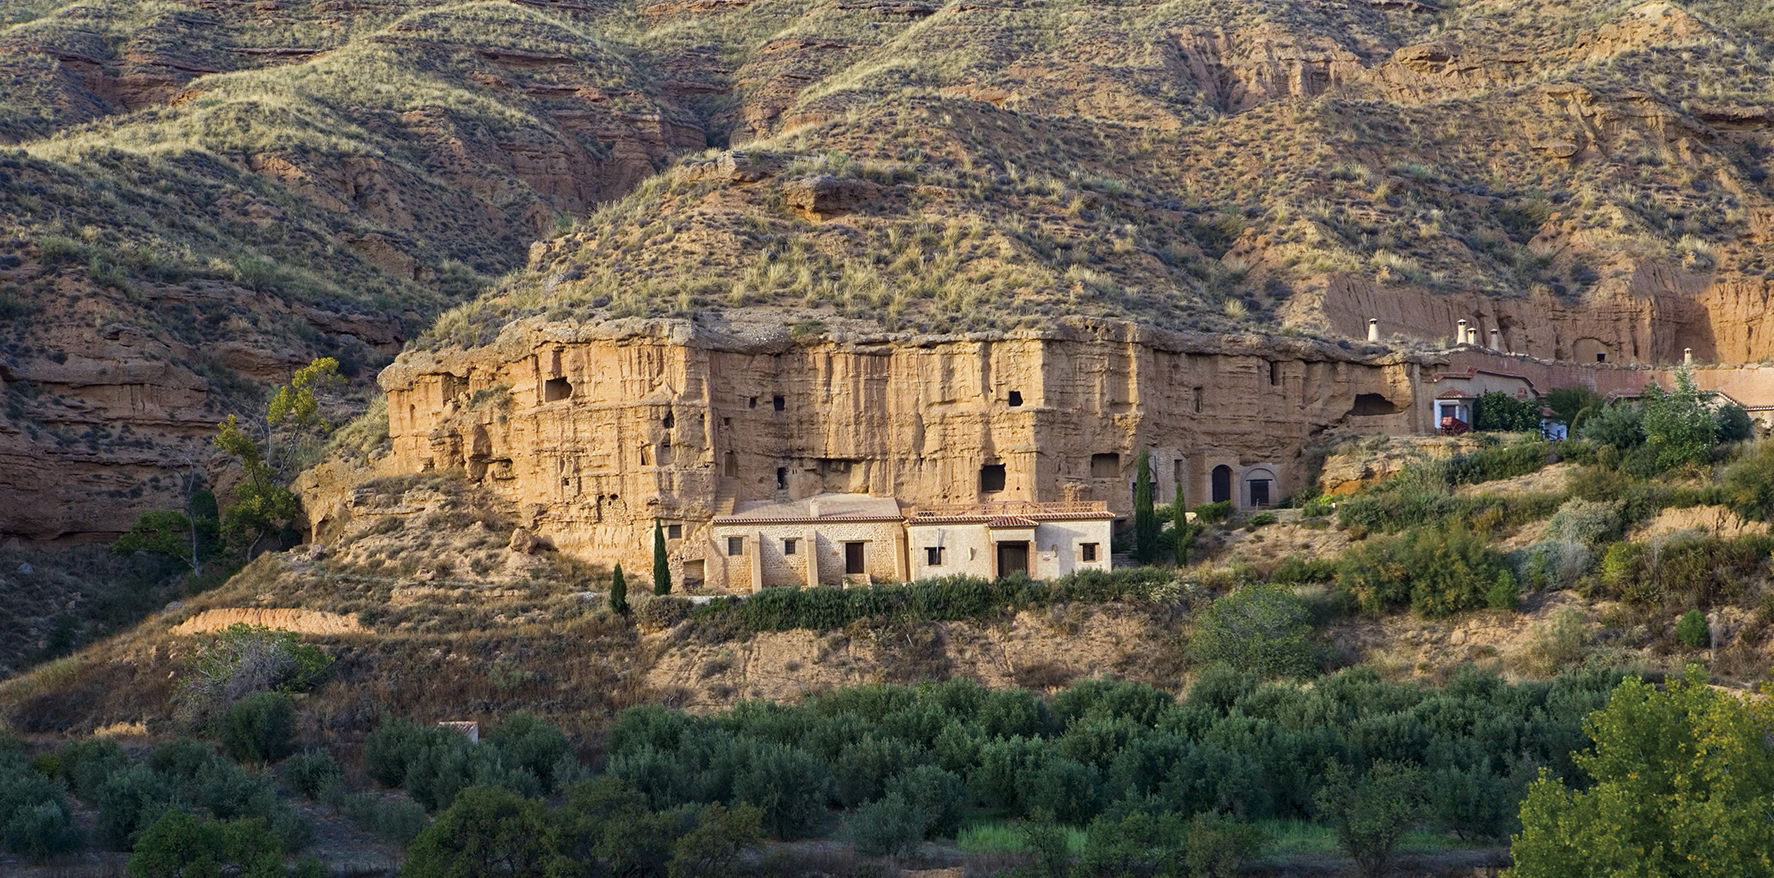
[595, 432]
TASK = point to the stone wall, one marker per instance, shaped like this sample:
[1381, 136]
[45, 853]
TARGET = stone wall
[969, 548]
[764, 563]
[597, 431]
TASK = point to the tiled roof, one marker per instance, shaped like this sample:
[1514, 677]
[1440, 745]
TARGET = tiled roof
[823, 507]
[1009, 513]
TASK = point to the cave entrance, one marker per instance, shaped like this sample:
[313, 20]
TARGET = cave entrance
[1222, 484]
[555, 389]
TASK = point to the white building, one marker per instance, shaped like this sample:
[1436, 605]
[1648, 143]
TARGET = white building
[856, 539]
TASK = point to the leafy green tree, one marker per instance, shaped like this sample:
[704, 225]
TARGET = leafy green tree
[311, 773]
[1679, 781]
[618, 592]
[1679, 427]
[889, 825]
[787, 785]
[721, 835]
[1749, 484]
[1371, 813]
[1618, 424]
[1219, 846]
[34, 817]
[1264, 629]
[661, 563]
[1145, 516]
[262, 505]
[1185, 530]
[1569, 404]
[1733, 423]
[257, 728]
[1503, 594]
[1693, 631]
[182, 845]
[295, 418]
[486, 831]
[1498, 411]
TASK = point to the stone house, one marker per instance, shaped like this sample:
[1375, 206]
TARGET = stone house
[989, 540]
[821, 540]
[856, 539]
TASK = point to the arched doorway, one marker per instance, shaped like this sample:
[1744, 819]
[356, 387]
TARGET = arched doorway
[1260, 487]
[1222, 483]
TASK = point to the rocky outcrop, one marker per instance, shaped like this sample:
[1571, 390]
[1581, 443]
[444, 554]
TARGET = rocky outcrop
[596, 431]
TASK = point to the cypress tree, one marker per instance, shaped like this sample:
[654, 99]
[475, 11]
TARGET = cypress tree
[1145, 517]
[661, 566]
[618, 592]
[1185, 532]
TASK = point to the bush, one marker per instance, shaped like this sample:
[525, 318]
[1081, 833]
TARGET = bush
[714, 846]
[1265, 629]
[1219, 846]
[662, 611]
[1504, 594]
[1664, 790]
[1618, 425]
[1294, 570]
[1372, 813]
[310, 773]
[1500, 412]
[787, 786]
[936, 796]
[1588, 522]
[1693, 631]
[180, 844]
[887, 826]
[396, 821]
[34, 818]
[1749, 484]
[485, 831]
[1213, 513]
[244, 659]
[1261, 519]
[1136, 843]
[257, 728]
[1438, 573]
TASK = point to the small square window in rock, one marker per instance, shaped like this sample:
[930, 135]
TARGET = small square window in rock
[933, 556]
[1087, 551]
[751, 403]
[555, 389]
[1106, 465]
[781, 478]
[1016, 398]
[735, 546]
[788, 546]
[674, 531]
[778, 403]
[992, 478]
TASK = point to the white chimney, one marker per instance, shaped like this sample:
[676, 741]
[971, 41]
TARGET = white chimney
[1373, 329]
[1460, 332]
[1472, 336]
[1687, 356]
[1494, 338]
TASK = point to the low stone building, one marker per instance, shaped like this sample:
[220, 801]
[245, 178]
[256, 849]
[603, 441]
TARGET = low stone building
[855, 539]
[990, 540]
[821, 540]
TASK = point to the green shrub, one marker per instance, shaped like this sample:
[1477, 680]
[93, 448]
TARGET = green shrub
[1220, 846]
[1618, 425]
[1213, 513]
[1693, 631]
[1261, 519]
[887, 826]
[180, 844]
[1136, 843]
[1265, 629]
[1503, 594]
[1436, 572]
[244, 659]
[257, 728]
[35, 821]
[1748, 484]
[935, 795]
[1498, 411]
[310, 773]
[1372, 813]
[1294, 570]
[662, 611]
[485, 831]
[1589, 522]
[396, 821]
[787, 786]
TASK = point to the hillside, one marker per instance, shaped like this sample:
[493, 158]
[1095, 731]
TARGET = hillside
[314, 178]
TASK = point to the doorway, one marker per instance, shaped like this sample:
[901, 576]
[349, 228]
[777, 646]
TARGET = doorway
[1222, 483]
[853, 559]
[1013, 558]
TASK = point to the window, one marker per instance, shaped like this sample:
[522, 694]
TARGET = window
[1105, 466]
[1016, 398]
[556, 389]
[667, 421]
[1198, 393]
[1087, 551]
[933, 556]
[778, 403]
[782, 478]
[991, 478]
[788, 546]
[1601, 357]
[1177, 474]
[1274, 373]
[735, 546]
[674, 531]
[751, 403]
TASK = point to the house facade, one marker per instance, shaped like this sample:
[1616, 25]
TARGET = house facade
[856, 539]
